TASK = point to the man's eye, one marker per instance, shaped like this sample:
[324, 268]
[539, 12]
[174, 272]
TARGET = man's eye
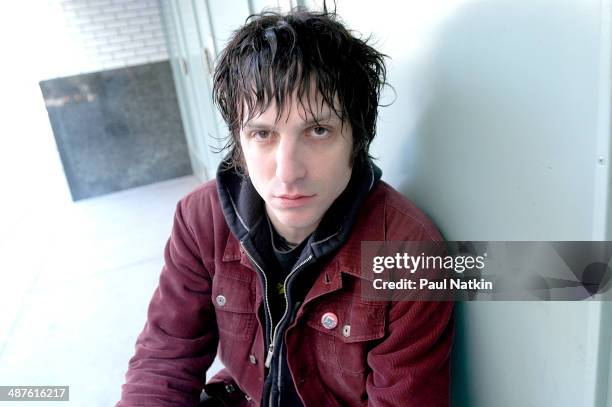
[319, 131]
[261, 135]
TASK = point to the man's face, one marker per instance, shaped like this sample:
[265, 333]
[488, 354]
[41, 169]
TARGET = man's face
[298, 167]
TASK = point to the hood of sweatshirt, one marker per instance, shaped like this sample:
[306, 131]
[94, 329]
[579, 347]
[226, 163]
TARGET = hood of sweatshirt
[244, 209]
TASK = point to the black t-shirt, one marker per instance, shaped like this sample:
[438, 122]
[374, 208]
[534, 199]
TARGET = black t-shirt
[286, 254]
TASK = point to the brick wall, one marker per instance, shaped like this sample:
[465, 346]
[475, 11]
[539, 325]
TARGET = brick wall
[114, 33]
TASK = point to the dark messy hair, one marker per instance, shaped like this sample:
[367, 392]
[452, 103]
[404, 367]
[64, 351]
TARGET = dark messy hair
[275, 54]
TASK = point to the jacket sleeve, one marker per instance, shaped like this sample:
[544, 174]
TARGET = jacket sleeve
[411, 367]
[179, 340]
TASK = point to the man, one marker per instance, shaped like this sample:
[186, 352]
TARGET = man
[262, 266]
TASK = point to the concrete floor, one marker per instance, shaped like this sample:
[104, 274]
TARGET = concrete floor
[76, 282]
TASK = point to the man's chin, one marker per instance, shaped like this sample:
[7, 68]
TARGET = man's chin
[296, 222]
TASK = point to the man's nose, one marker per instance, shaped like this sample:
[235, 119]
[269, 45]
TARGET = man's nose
[289, 160]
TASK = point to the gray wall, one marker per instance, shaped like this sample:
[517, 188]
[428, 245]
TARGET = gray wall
[501, 113]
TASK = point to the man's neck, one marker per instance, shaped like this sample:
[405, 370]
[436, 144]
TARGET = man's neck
[293, 236]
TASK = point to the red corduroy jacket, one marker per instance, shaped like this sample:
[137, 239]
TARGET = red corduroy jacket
[394, 353]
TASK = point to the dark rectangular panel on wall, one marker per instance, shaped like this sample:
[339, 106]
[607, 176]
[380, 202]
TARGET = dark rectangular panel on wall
[117, 129]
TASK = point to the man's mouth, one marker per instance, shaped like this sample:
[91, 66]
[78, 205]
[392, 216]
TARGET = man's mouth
[292, 200]
[296, 196]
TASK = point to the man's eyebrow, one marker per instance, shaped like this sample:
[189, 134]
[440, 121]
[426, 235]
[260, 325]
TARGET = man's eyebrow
[319, 119]
[254, 124]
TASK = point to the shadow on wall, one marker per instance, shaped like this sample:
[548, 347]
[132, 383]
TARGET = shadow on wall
[508, 95]
[498, 153]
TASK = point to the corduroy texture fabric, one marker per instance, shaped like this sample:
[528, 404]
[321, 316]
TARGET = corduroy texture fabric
[397, 353]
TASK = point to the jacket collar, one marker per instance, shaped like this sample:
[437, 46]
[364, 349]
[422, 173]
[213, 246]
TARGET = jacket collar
[347, 261]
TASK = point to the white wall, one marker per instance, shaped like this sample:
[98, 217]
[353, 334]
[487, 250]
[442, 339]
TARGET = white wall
[93, 35]
[502, 113]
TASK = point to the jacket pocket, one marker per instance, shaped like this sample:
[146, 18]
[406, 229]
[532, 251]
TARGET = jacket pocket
[346, 345]
[234, 307]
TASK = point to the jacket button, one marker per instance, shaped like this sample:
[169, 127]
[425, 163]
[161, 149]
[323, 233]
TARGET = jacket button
[329, 320]
[221, 300]
[346, 331]
[252, 359]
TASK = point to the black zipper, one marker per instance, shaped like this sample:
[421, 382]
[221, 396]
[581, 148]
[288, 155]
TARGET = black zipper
[280, 322]
[274, 330]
